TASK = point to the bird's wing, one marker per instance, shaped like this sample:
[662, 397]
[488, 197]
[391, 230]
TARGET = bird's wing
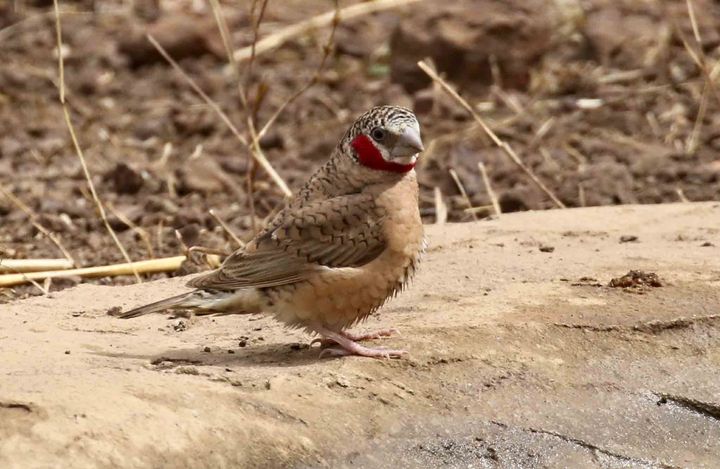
[344, 231]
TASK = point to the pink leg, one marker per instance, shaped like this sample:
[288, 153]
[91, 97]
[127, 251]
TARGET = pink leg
[326, 342]
[348, 346]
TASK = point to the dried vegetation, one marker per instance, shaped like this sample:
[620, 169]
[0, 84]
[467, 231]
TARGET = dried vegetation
[194, 120]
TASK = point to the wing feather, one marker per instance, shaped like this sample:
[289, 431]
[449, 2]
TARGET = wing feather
[343, 231]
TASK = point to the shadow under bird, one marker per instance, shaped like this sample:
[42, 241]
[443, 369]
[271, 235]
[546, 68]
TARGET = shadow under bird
[350, 239]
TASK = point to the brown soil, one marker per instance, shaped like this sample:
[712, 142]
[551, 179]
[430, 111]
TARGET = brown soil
[600, 98]
[514, 362]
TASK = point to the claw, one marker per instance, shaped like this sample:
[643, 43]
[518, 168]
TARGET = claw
[326, 342]
[347, 345]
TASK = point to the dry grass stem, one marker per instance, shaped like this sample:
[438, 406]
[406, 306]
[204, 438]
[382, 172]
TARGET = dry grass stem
[253, 47]
[462, 190]
[489, 189]
[693, 21]
[694, 139]
[44, 289]
[701, 61]
[181, 241]
[76, 144]
[136, 229]
[441, 211]
[34, 265]
[575, 154]
[259, 157]
[541, 132]
[227, 229]
[166, 264]
[500, 143]
[681, 195]
[213, 257]
[479, 208]
[285, 34]
[34, 219]
[316, 76]
[225, 36]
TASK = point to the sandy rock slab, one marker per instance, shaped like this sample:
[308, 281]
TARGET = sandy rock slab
[522, 355]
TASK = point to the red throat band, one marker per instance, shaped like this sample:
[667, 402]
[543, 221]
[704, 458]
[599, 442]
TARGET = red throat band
[370, 156]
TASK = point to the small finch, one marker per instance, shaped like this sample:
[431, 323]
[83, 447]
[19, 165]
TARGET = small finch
[350, 239]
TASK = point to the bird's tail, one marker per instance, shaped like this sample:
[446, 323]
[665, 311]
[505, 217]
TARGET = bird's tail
[193, 299]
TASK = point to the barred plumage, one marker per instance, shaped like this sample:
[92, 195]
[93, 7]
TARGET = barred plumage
[348, 241]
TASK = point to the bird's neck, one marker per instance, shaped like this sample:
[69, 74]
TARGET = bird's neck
[341, 176]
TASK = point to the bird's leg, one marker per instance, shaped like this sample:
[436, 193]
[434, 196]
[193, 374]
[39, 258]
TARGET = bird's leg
[348, 346]
[326, 342]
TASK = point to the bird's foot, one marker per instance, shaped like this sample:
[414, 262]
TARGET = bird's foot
[340, 344]
[327, 342]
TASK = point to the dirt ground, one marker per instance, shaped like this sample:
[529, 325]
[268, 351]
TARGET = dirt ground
[546, 338]
[521, 355]
[601, 98]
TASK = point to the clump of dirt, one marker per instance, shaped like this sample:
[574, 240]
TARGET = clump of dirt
[636, 279]
[601, 99]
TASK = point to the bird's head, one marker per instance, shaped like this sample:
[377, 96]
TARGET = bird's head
[385, 138]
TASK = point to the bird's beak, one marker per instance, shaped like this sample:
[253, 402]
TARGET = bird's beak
[407, 144]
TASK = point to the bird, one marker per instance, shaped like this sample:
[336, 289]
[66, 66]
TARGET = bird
[349, 240]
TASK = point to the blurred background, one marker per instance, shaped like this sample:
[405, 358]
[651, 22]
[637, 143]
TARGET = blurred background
[606, 101]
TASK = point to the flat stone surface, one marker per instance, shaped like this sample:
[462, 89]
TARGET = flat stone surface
[518, 358]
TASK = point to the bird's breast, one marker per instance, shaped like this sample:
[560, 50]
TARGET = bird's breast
[338, 297]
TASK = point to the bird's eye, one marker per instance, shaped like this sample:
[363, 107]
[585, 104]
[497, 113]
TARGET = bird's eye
[378, 134]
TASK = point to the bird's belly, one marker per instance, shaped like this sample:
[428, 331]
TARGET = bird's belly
[337, 298]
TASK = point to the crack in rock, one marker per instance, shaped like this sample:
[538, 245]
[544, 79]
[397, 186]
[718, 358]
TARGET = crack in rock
[651, 327]
[704, 408]
[590, 446]
[15, 405]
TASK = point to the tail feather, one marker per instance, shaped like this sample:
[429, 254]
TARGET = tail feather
[186, 300]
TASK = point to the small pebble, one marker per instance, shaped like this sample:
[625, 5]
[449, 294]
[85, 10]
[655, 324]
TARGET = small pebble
[544, 248]
[206, 349]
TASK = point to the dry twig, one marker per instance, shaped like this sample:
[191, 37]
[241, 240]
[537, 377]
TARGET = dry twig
[282, 36]
[136, 229]
[681, 195]
[259, 157]
[227, 229]
[701, 59]
[464, 193]
[316, 76]
[166, 264]
[441, 211]
[500, 143]
[34, 219]
[34, 265]
[225, 36]
[698, 57]
[76, 144]
[489, 189]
